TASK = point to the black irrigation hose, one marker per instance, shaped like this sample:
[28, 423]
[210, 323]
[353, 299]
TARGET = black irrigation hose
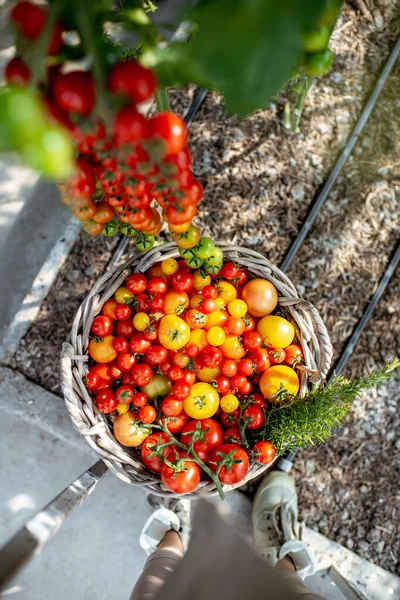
[286, 462]
[351, 142]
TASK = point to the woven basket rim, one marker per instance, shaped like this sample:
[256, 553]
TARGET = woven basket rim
[95, 427]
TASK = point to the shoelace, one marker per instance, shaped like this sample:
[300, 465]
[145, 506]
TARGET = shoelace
[282, 522]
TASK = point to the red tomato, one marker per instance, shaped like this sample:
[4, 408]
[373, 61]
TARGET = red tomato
[102, 326]
[177, 423]
[74, 92]
[294, 354]
[228, 367]
[247, 388]
[127, 379]
[211, 357]
[156, 304]
[246, 367]
[130, 126]
[157, 285]
[138, 343]
[238, 381]
[139, 399]
[30, 19]
[208, 306]
[231, 471]
[192, 350]
[153, 452]
[182, 281]
[210, 291]
[181, 389]
[106, 401]
[189, 377]
[92, 380]
[125, 394]
[234, 326]
[276, 355]
[156, 355]
[115, 370]
[223, 384]
[180, 359]
[232, 436]
[175, 373]
[259, 359]
[142, 374]
[229, 271]
[242, 277]
[184, 477]
[252, 341]
[124, 328]
[136, 283]
[104, 213]
[147, 414]
[17, 72]
[229, 419]
[264, 452]
[249, 323]
[131, 78]
[254, 417]
[171, 406]
[171, 128]
[126, 360]
[209, 434]
[122, 312]
[143, 303]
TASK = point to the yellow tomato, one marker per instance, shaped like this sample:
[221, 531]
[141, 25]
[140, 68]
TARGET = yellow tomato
[237, 308]
[189, 238]
[216, 336]
[122, 408]
[169, 266]
[216, 318]
[156, 271]
[141, 321]
[232, 348]
[203, 401]
[207, 374]
[199, 338]
[276, 377]
[196, 300]
[122, 295]
[129, 431]
[179, 228]
[102, 351]
[173, 333]
[200, 280]
[219, 303]
[260, 296]
[226, 291]
[175, 302]
[276, 332]
[229, 403]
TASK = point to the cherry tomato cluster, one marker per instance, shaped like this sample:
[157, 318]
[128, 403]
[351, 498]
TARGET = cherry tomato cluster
[127, 164]
[188, 363]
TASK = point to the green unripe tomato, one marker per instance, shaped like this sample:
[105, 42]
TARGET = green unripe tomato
[110, 228]
[194, 262]
[127, 230]
[318, 63]
[216, 258]
[144, 243]
[205, 248]
[316, 39]
[211, 269]
[186, 253]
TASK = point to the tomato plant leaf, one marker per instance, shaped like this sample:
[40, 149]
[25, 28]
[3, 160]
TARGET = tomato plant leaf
[174, 65]
[250, 48]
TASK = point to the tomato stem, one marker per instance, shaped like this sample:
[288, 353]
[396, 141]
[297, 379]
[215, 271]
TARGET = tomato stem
[291, 119]
[39, 67]
[162, 99]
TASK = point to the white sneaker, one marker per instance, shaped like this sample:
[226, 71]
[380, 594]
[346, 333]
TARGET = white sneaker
[169, 513]
[276, 529]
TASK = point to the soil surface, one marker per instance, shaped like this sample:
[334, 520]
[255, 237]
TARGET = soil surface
[259, 183]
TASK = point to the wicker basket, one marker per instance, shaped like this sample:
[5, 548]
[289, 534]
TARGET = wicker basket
[95, 426]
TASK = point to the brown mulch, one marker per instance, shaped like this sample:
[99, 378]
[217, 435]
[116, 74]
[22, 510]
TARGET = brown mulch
[259, 183]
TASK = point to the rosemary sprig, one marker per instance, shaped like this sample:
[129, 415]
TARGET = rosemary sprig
[301, 422]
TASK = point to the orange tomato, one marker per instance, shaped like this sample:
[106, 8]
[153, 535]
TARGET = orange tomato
[103, 351]
[277, 377]
[260, 296]
[173, 332]
[216, 318]
[175, 302]
[129, 431]
[196, 301]
[232, 348]
[180, 228]
[156, 271]
[109, 308]
[104, 212]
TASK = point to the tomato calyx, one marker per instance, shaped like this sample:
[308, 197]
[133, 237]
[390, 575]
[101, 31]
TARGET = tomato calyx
[197, 435]
[158, 448]
[227, 460]
[199, 401]
[178, 465]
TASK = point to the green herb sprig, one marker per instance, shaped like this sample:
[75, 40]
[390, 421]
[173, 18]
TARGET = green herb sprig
[306, 421]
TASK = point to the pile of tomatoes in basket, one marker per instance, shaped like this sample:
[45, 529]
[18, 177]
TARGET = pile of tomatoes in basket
[126, 164]
[187, 364]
